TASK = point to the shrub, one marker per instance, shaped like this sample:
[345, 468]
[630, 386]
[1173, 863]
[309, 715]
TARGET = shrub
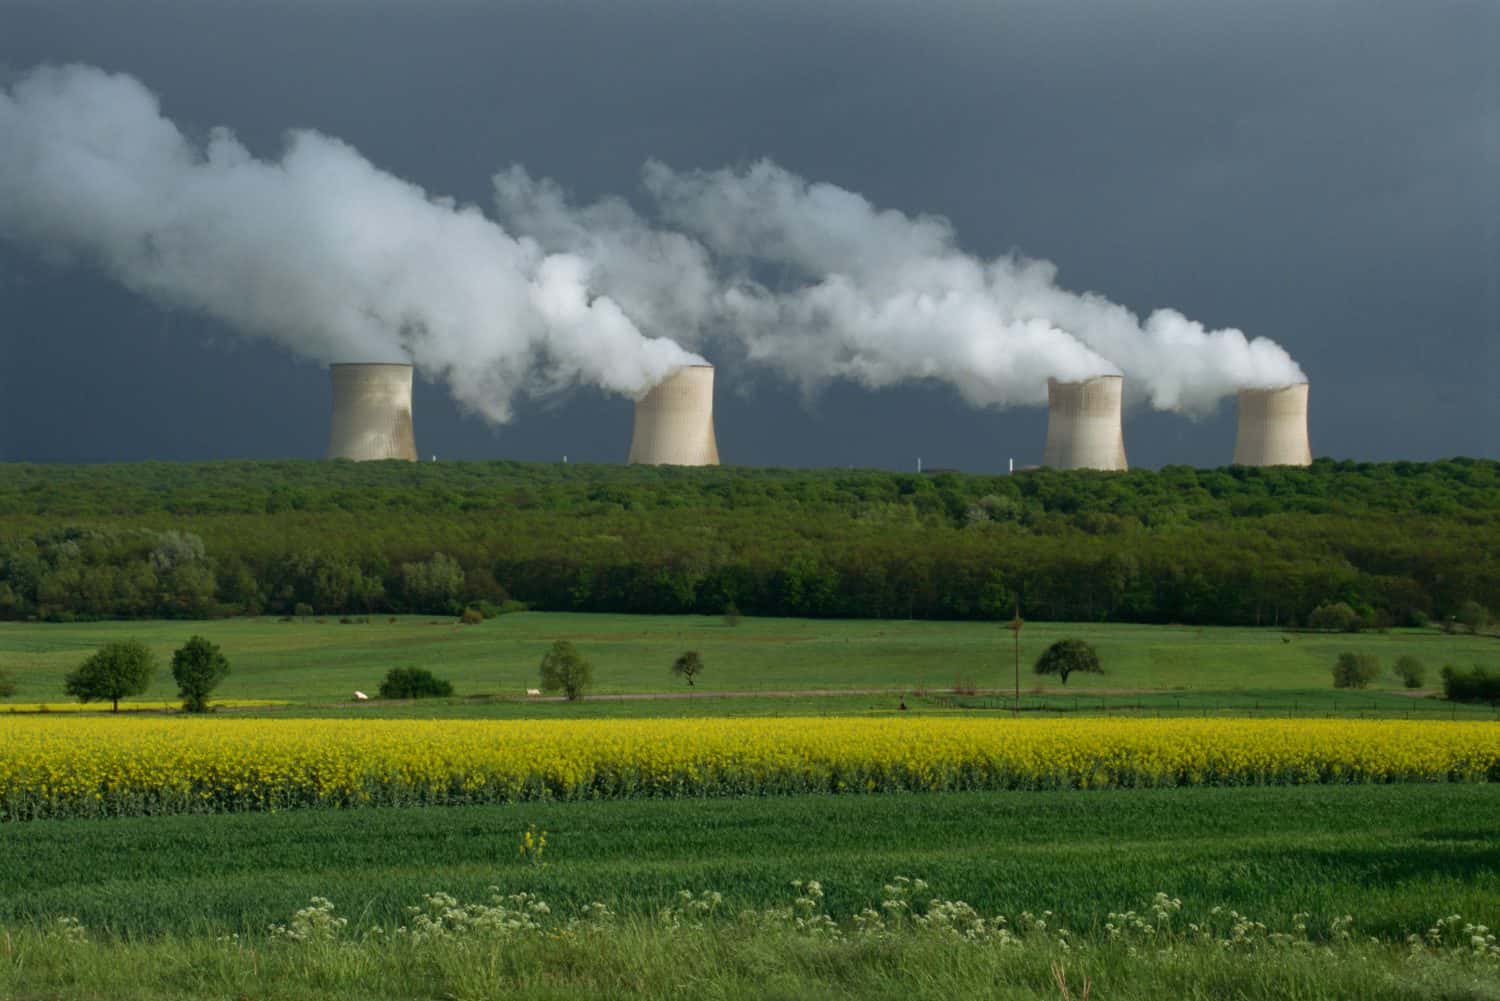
[563, 668]
[413, 683]
[1473, 616]
[1475, 685]
[115, 671]
[471, 617]
[7, 685]
[688, 666]
[1411, 671]
[731, 614]
[302, 610]
[1355, 670]
[1067, 657]
[198, 666]
[1335, 617]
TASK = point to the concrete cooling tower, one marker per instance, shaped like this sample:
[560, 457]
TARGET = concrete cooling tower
[1273, 427]
[1083, 424]
[674, 422]
[371, 413]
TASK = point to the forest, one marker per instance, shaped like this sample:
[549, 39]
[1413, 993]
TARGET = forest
[1401, 543]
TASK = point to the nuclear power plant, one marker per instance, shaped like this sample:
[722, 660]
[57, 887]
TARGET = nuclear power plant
[1083, 424]
[1273, 427]
[674, 422]
[371, 413]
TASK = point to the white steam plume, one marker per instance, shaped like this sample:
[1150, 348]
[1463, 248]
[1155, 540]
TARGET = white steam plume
[884, 296]
[320, 251]
[919, 317]
[663, 279]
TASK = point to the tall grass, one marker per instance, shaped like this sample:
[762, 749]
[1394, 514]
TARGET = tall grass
[773, 954]
[1398, 856]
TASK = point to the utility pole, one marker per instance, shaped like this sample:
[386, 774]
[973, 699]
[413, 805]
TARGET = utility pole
[1014, 626]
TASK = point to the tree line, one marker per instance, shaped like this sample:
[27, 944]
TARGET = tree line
[1396, 542]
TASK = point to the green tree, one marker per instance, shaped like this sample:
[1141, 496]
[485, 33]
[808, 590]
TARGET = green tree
[432, 585]
[688, 666]
[414, 683]
[1473, 616]
[1067, 657]
[7, 685]
[1334, 616]
[198, 666]
[1475, 685]
[115, 671]
[563, 668]
[1355, 670]
[1411, 671]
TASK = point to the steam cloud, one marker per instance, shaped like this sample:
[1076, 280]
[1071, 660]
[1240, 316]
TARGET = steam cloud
[881, 296]
[339, 261]
[874, 295]
[861, 311]
[319, 251]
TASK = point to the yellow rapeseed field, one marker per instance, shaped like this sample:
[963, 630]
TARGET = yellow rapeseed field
[57, 767]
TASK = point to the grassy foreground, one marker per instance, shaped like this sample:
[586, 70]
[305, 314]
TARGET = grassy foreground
[183, 906]
[1397, 857]
[315, 662]
[644, 960]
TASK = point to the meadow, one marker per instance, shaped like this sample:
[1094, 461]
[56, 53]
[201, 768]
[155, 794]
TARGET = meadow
[318, 662]
[180, 906]
[183, 906]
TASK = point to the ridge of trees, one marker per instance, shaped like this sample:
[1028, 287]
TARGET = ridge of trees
[1398, 542]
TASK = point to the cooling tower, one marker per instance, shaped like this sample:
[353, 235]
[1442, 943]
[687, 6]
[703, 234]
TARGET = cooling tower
[674, 423]
[1083, 424]
[1273, 427]
[371, 413]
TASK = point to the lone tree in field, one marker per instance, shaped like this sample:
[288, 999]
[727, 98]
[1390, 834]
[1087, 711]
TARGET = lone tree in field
[198, 666]
[115, 671]
[1067, 657]
[688, 666]
[563, 668]
[1411, 671]
[1355, 670]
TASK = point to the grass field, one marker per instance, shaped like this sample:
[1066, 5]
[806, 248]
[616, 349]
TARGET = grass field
[183, 904]
[1394, 856]
[776, 960]
[316, 663]
[180, 906]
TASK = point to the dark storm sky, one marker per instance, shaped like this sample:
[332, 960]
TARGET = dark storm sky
[1324, 174]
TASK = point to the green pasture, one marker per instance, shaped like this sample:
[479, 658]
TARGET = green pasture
[1394, 857]
[319, 661]
[724, 960]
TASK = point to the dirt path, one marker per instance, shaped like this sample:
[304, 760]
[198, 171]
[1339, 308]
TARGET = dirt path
[786, 693]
